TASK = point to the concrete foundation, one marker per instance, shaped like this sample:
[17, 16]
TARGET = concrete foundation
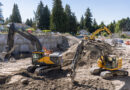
[24, 45]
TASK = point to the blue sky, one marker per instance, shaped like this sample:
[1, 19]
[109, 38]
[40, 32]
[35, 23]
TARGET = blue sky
[102, 10]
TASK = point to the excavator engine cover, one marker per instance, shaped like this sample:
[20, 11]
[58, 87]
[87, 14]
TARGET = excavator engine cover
[38, 58]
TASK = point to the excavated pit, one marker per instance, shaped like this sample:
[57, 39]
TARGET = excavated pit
[59, 79]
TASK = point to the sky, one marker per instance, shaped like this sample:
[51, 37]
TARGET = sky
[102, 10]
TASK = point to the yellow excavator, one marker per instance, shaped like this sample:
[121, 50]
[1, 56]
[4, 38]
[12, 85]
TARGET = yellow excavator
[41, 62]
[109, 66]
[92, 37]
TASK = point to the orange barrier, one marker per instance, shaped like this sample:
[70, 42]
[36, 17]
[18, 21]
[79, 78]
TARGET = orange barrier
[127, 43]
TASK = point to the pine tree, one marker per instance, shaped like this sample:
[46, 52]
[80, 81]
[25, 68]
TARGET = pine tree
[88, 20]
[101, 25]
[39, 15]
[82, 23]
[73, 23]
[29, 22]
[95, 25]
[15, 17]
[111, 27]
[46, 18]
[6, 20]
[58, 17]
[68, 17]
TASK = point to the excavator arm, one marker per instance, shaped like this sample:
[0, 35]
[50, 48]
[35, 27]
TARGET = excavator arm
[99, 30]
[10, 41]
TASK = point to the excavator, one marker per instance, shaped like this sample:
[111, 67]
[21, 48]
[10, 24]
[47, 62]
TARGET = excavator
[41, 62]
[109, 66]
[92, 37]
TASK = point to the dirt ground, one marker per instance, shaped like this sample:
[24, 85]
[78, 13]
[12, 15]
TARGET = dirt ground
[13, 75]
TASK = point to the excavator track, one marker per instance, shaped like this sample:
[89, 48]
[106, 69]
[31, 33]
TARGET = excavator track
[45, 69]
[95, 70]
[120, 73]
[31, 69]
[108, 74]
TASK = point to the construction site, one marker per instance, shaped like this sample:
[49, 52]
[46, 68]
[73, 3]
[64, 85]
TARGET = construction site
[54, 50]
[79, 56]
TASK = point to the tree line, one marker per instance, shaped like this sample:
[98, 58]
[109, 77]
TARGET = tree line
[63, 20]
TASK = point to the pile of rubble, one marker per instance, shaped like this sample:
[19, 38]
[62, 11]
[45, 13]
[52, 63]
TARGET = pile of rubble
[59, 79]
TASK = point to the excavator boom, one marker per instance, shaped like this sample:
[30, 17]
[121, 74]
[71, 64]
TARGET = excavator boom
[99, 30]
[30, 37]
[92, 37]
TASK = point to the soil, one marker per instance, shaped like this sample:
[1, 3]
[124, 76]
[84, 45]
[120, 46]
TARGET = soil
[59, 79]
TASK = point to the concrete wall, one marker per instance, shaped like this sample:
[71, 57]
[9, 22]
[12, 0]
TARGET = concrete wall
[24, 45]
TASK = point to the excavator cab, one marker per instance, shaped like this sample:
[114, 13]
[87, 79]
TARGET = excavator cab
[110, 62]
[36, 56]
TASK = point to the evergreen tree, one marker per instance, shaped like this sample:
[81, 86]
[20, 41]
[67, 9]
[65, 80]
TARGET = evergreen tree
[39, 15]
[15, 17]
[111, 27]
[7, 21]
[73, 24]
[88, 20]
[95, 25]
[46, 18]
[29, 22]
[101, 25]
[82, 23]
[123, 25]
[68, 17]
[58, 17]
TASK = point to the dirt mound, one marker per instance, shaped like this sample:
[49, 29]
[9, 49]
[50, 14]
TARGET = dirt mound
[92, 51]
[42, 83]
[58, 79]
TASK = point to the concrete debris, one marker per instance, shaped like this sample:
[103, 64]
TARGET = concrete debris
[13, 75]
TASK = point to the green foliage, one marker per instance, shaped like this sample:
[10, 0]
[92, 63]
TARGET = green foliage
[71, 21]
[123, 36]
[68, 18]
[104, 34]
[7, 20]
[29, 22]
[117, 27]
[42, 16]
[73, 24]
[88, 20]
[94, 25]
[101, 25]
[112, 26]
[123, 25]
[46, 31]
[15, 17]
[46, 18]
[82, 23]
[39, 15]
[58, 17]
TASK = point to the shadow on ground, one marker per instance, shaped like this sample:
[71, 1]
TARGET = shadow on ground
[55, 74]
[126, 80]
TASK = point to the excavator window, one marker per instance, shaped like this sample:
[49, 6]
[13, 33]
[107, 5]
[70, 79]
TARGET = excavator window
[37, 55]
